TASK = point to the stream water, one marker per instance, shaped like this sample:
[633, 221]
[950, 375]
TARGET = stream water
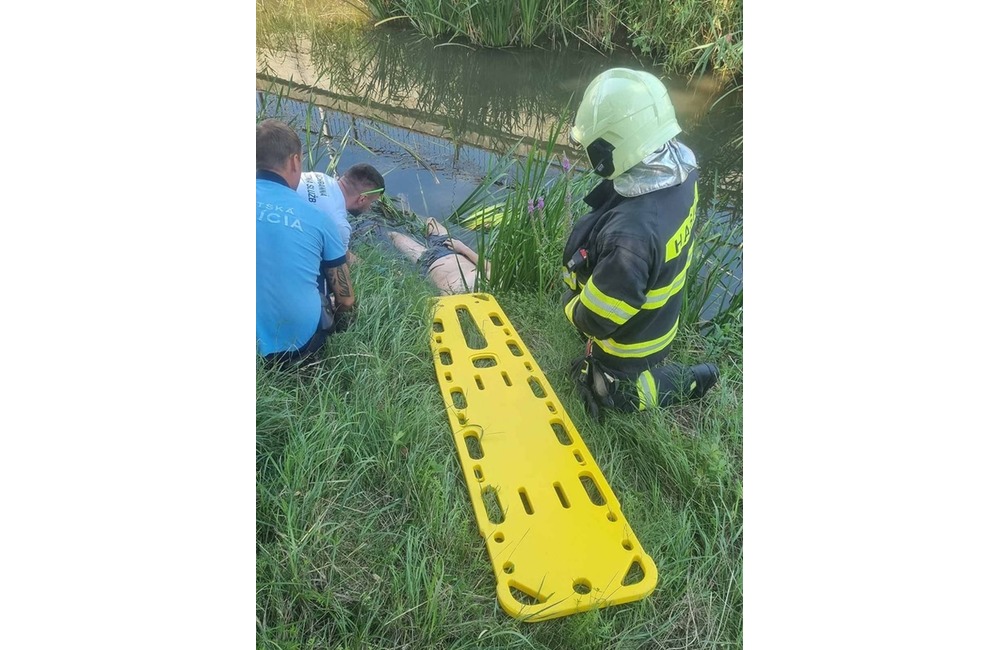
[435, 119]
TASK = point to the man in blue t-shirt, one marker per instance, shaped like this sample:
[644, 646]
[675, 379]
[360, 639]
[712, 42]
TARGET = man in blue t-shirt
[298, 248]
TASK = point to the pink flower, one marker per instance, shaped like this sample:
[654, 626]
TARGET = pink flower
[565, 163]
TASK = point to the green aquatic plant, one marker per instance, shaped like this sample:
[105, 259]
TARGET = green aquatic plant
[677, 34]
[520, 229]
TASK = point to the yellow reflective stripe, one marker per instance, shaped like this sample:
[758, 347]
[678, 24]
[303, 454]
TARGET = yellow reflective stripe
[569, 278]
[683, 235]
[568, 309]
[659, 297]
[646, 388]
[616, 311]
[637, 350]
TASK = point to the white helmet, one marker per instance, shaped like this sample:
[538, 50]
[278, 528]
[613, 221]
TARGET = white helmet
[625, 115]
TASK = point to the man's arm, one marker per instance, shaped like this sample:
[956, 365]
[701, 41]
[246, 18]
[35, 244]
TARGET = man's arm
[338, 278]
[611, 296]
[462, 249]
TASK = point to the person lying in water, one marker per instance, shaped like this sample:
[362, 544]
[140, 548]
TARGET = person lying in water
[449, 263]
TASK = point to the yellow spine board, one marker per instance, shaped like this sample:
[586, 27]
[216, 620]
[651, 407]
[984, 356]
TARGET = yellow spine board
[484, 217]
[556, 536]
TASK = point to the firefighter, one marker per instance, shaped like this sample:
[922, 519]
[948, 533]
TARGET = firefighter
[626, 261]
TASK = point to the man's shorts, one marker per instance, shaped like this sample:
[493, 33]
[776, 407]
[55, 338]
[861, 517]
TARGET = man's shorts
[436, 249]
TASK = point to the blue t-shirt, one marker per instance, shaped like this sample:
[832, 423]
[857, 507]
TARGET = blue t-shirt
[295, 241]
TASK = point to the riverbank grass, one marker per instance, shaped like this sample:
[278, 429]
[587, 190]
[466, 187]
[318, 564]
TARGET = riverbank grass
[366, 536]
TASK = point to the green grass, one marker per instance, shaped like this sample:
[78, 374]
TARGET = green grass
[366, 537]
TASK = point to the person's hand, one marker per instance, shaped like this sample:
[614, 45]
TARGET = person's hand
[456, 245]
[343, 319]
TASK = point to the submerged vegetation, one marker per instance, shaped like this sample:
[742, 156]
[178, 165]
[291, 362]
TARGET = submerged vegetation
[366, 536]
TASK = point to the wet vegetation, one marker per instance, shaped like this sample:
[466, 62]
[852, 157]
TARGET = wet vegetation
[683, 35]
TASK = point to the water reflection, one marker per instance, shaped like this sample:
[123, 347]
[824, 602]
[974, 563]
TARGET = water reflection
[431, 174]
[435, 119]
[473, 103]
[487, 98]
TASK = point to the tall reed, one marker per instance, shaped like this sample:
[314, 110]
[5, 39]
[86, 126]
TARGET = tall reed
[713, 289]
[524, 244]
[679, 34]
